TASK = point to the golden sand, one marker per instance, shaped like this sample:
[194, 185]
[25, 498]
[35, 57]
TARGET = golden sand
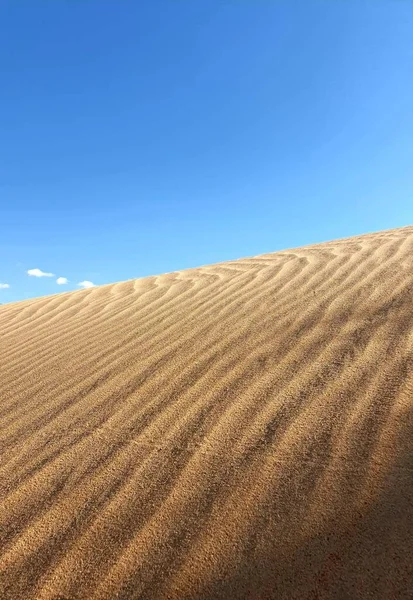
[240, 430]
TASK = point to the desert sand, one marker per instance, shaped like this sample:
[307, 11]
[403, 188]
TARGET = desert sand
[240, 430]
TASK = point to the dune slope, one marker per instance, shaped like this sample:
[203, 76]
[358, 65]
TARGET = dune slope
[241, 430]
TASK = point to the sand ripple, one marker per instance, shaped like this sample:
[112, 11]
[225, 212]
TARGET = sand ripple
[240, 430]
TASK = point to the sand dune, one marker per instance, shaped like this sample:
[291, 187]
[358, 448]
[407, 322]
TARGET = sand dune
[241, 430]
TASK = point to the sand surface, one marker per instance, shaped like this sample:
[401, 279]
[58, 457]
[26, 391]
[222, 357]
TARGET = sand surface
[240, 430]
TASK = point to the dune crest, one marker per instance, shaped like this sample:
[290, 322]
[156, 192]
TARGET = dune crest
[240, 430]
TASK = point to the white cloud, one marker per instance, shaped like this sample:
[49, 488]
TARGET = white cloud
[4, 286]
[86, 284]
[39, 273]
[62, 280]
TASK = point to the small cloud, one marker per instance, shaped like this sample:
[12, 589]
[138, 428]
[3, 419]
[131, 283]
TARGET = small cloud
[4, 286]
[86, 284]
[62, 280]
[39, 273]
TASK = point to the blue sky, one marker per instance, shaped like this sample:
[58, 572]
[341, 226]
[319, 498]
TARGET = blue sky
[144, 137]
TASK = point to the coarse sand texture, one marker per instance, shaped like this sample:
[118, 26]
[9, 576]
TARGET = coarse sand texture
[236, 431]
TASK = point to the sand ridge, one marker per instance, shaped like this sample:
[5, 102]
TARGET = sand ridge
[239, 430]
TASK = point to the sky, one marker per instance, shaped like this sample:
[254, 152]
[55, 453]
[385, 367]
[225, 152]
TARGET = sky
[139, 138]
